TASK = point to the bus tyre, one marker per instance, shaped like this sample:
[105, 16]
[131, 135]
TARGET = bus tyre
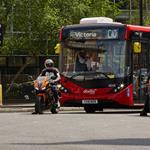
[89, 109]
[100, 108]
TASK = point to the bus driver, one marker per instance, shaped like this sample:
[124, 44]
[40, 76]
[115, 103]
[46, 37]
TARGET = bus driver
[81, 62]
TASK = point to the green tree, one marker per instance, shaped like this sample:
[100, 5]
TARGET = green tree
[32, 26]
[133, 6]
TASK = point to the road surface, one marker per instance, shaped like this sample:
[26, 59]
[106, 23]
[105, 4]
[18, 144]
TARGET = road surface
[75, 130]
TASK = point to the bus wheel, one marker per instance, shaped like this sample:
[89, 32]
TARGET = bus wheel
[89, 109]
[100, 109]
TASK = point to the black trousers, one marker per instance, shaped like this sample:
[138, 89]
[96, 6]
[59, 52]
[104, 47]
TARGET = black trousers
[56, 96]
[147, 103]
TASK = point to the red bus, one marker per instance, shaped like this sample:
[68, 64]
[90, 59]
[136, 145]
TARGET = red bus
[104, 64]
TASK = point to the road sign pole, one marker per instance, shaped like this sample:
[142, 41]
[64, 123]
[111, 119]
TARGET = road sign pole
[1, 97]
[1, 35]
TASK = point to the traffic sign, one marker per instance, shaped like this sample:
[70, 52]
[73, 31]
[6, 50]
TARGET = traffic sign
[1, 34]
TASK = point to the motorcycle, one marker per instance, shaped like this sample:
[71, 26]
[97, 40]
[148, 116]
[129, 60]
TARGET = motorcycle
[45, 99]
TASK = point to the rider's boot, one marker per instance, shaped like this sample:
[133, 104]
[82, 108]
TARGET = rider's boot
[34, 113]
[143, 113]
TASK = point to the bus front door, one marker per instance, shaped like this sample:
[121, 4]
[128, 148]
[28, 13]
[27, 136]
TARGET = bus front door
[140, 72]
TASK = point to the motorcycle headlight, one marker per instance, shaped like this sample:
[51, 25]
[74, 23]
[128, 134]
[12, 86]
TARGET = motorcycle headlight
[118, 88]
[63, 89]
[43, 88]
[37, 88]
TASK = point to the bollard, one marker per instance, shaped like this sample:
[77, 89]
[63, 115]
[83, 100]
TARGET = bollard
[1, 95]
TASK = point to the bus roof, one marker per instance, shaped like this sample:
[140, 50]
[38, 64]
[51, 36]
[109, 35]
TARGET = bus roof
[94, 25]
[135, 28]
[138, 28]
[114, 24]
[96, 20]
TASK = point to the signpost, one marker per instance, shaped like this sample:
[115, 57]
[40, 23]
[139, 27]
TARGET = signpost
[141, 12]
[1, 41]
[1, 35]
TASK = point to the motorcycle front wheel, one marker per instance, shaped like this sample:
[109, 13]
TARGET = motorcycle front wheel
[39, 105]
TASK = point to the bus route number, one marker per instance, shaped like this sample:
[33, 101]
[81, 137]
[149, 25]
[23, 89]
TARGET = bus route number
[112, 34]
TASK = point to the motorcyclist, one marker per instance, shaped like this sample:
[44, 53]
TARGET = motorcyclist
[53, 72]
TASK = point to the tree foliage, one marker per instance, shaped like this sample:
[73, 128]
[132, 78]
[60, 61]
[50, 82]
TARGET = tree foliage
[134, 5]
[32, 26]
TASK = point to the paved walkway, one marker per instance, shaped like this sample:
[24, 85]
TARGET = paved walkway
[29, 108]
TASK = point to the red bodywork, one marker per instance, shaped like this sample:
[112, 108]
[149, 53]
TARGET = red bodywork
[130, 28]
[77, 94]
[44, 82]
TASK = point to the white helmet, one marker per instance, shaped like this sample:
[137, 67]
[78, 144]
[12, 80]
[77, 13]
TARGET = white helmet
[48, 63]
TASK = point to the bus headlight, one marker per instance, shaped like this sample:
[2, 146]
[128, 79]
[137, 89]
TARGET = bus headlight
[118, 88]
[43, 88]
[59, 86]
[63, 89]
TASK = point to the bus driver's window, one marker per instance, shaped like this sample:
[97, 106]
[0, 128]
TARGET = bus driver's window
[80, 64]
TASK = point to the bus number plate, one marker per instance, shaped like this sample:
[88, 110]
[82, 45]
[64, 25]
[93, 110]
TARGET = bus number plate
[90, 101]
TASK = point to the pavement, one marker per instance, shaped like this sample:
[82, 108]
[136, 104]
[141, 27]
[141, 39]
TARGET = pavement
[17, 108]
[29, 107]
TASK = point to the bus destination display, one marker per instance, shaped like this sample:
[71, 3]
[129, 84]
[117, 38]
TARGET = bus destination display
[94, 34]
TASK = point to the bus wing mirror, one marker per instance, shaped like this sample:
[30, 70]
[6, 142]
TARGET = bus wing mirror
[137, 47]
[57, 48]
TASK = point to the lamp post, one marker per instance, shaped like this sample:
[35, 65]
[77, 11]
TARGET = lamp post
[141, 12]
[1, 35]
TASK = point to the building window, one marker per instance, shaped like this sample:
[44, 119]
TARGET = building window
[15, 61]
[2, 61]
[31, 61]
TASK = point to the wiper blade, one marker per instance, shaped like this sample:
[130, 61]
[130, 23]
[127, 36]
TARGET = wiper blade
[79, 73]
[109, 75]
[104, 74]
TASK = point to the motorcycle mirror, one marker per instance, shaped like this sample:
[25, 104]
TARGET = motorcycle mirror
[30, 78]
[52, 77]
[26, 97]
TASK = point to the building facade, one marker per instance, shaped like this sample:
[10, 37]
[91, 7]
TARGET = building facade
[130, 11]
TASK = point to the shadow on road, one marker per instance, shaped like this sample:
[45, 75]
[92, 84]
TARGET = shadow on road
[98, 112]
[123, 141]
[102, 112]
